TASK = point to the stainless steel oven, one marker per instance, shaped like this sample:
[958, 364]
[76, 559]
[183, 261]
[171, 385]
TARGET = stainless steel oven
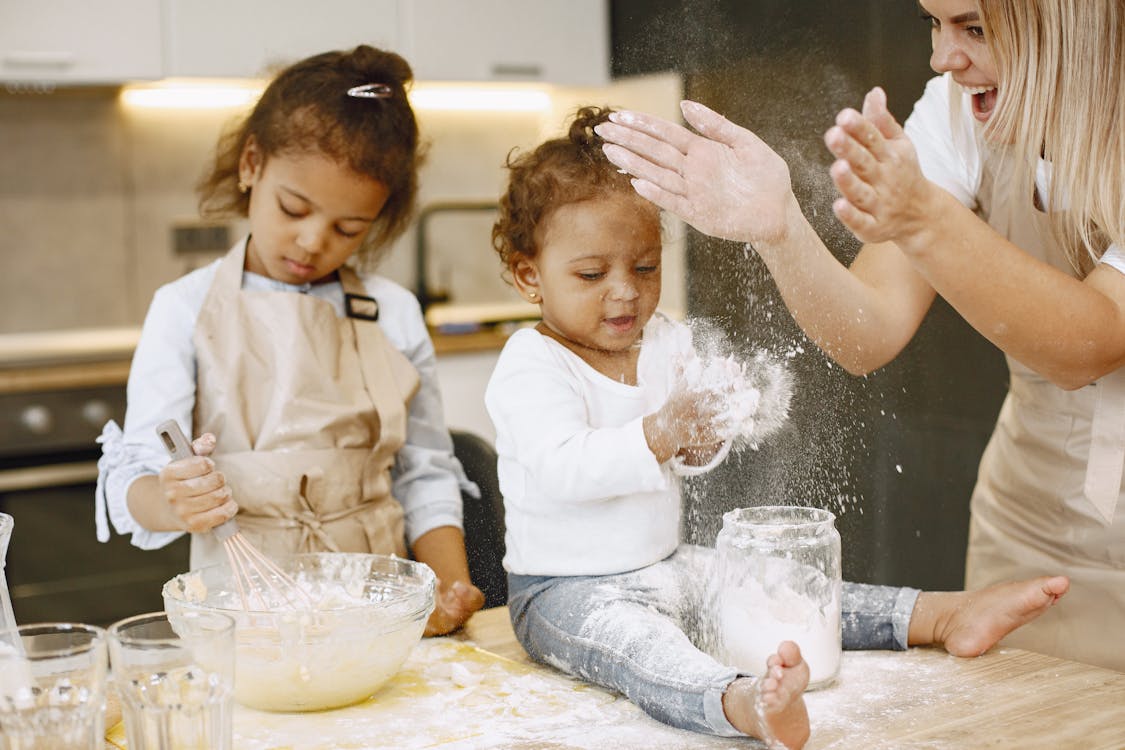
[56, 568]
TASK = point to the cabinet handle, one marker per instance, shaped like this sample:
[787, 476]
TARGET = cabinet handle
[517, 70]
[43, 60]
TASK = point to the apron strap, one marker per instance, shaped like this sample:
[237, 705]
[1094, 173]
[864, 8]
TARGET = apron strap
[1107, 445]
[378, 357]
[310, 523]
[229, 275]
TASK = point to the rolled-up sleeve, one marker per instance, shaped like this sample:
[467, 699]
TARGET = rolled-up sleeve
[947, 148]
[161, 386]
[1114, 257]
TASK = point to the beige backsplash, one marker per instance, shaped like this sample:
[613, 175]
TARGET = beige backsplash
[89, 192]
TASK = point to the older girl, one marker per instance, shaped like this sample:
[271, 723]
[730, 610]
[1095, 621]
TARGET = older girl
[314, 386]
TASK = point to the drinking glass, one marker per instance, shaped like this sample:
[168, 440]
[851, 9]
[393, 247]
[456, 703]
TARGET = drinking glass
[52, 687]
[175, 679]
[7, 619]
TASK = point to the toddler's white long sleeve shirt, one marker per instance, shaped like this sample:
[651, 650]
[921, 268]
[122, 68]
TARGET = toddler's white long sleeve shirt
[583, 493]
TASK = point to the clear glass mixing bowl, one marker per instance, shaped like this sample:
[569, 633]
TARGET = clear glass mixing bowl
[354, 622]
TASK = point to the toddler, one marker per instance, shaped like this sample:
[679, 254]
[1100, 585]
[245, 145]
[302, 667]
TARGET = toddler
[595, 421]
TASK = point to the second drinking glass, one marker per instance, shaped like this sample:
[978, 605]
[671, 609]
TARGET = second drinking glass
[175, 680]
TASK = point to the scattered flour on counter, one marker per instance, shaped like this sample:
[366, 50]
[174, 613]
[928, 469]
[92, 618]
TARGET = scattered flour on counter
[880, 690]
[512, 706]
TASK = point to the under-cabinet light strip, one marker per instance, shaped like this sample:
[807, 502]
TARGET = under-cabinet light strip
[222, 94]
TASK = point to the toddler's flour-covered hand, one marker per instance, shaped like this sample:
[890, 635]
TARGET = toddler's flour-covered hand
[725, 381]
[722, 383]
[755, 390]
[195, 491]
[687, 422]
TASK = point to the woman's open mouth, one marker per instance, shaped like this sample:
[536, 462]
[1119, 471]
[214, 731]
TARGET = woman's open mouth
[984, 101]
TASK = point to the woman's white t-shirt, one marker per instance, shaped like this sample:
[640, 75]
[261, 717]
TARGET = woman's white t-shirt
[949, 150]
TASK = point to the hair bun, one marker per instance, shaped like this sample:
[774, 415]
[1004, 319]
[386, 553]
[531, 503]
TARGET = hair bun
[582, 129]
[380, 66]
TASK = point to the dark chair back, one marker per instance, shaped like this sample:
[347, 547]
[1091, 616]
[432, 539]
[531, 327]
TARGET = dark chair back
[483, 517]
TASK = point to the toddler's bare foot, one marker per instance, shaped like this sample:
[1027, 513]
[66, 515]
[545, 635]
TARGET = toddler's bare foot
[969, 623]
[772, 708]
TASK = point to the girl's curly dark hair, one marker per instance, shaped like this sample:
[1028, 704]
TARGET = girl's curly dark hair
[558, 172]
[307, 109]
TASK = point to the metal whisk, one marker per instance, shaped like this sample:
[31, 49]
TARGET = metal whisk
[261, 583]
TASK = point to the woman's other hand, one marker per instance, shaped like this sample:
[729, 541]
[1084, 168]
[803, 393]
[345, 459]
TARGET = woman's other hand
[723, 180]
[196, 493]
[883, 194]
[453, 605]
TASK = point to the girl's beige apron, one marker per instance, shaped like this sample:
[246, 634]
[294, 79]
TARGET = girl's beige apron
[309, 410]
[1047, 496]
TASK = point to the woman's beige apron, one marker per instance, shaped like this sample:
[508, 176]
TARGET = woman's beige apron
[309, 410]
[1046, 502]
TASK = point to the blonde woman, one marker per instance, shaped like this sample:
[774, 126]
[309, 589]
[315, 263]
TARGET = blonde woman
[1005, 194]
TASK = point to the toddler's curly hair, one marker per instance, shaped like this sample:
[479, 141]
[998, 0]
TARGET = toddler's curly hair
[560, 171]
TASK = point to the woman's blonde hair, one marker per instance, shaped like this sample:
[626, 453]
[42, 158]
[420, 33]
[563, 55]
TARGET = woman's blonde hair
[1061, 69]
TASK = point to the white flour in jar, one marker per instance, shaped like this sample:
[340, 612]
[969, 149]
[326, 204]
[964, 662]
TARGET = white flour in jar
[786, 601]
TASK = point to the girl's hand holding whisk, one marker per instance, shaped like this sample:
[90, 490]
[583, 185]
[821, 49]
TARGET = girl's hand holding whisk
[197, 494]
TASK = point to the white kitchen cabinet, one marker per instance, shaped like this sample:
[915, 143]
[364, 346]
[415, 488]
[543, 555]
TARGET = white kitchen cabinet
[246, 39]
[78, 41]
[565, 43]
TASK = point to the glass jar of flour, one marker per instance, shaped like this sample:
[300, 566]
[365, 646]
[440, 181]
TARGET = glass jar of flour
[778, 579]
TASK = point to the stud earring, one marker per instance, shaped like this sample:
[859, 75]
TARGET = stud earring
[533, 296]
[243, 187]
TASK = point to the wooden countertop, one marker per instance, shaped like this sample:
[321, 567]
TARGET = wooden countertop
[925, 698]
[921, 698]
[75, 360]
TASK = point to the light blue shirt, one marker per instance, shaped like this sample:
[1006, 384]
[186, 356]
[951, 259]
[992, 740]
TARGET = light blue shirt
[426, 478]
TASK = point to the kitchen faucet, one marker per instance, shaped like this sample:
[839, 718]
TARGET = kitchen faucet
[426, 295]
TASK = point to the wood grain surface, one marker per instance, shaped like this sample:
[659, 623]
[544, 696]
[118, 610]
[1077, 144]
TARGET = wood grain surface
[925, 698]
[458, 697]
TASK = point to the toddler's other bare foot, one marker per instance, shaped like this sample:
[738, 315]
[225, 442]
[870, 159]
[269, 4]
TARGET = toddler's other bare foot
[969, 623]
[772, 708]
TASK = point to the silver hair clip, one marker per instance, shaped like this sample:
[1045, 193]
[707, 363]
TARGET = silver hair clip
[371, 91]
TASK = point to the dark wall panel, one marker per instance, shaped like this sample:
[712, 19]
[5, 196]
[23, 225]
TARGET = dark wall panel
[894, 454]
